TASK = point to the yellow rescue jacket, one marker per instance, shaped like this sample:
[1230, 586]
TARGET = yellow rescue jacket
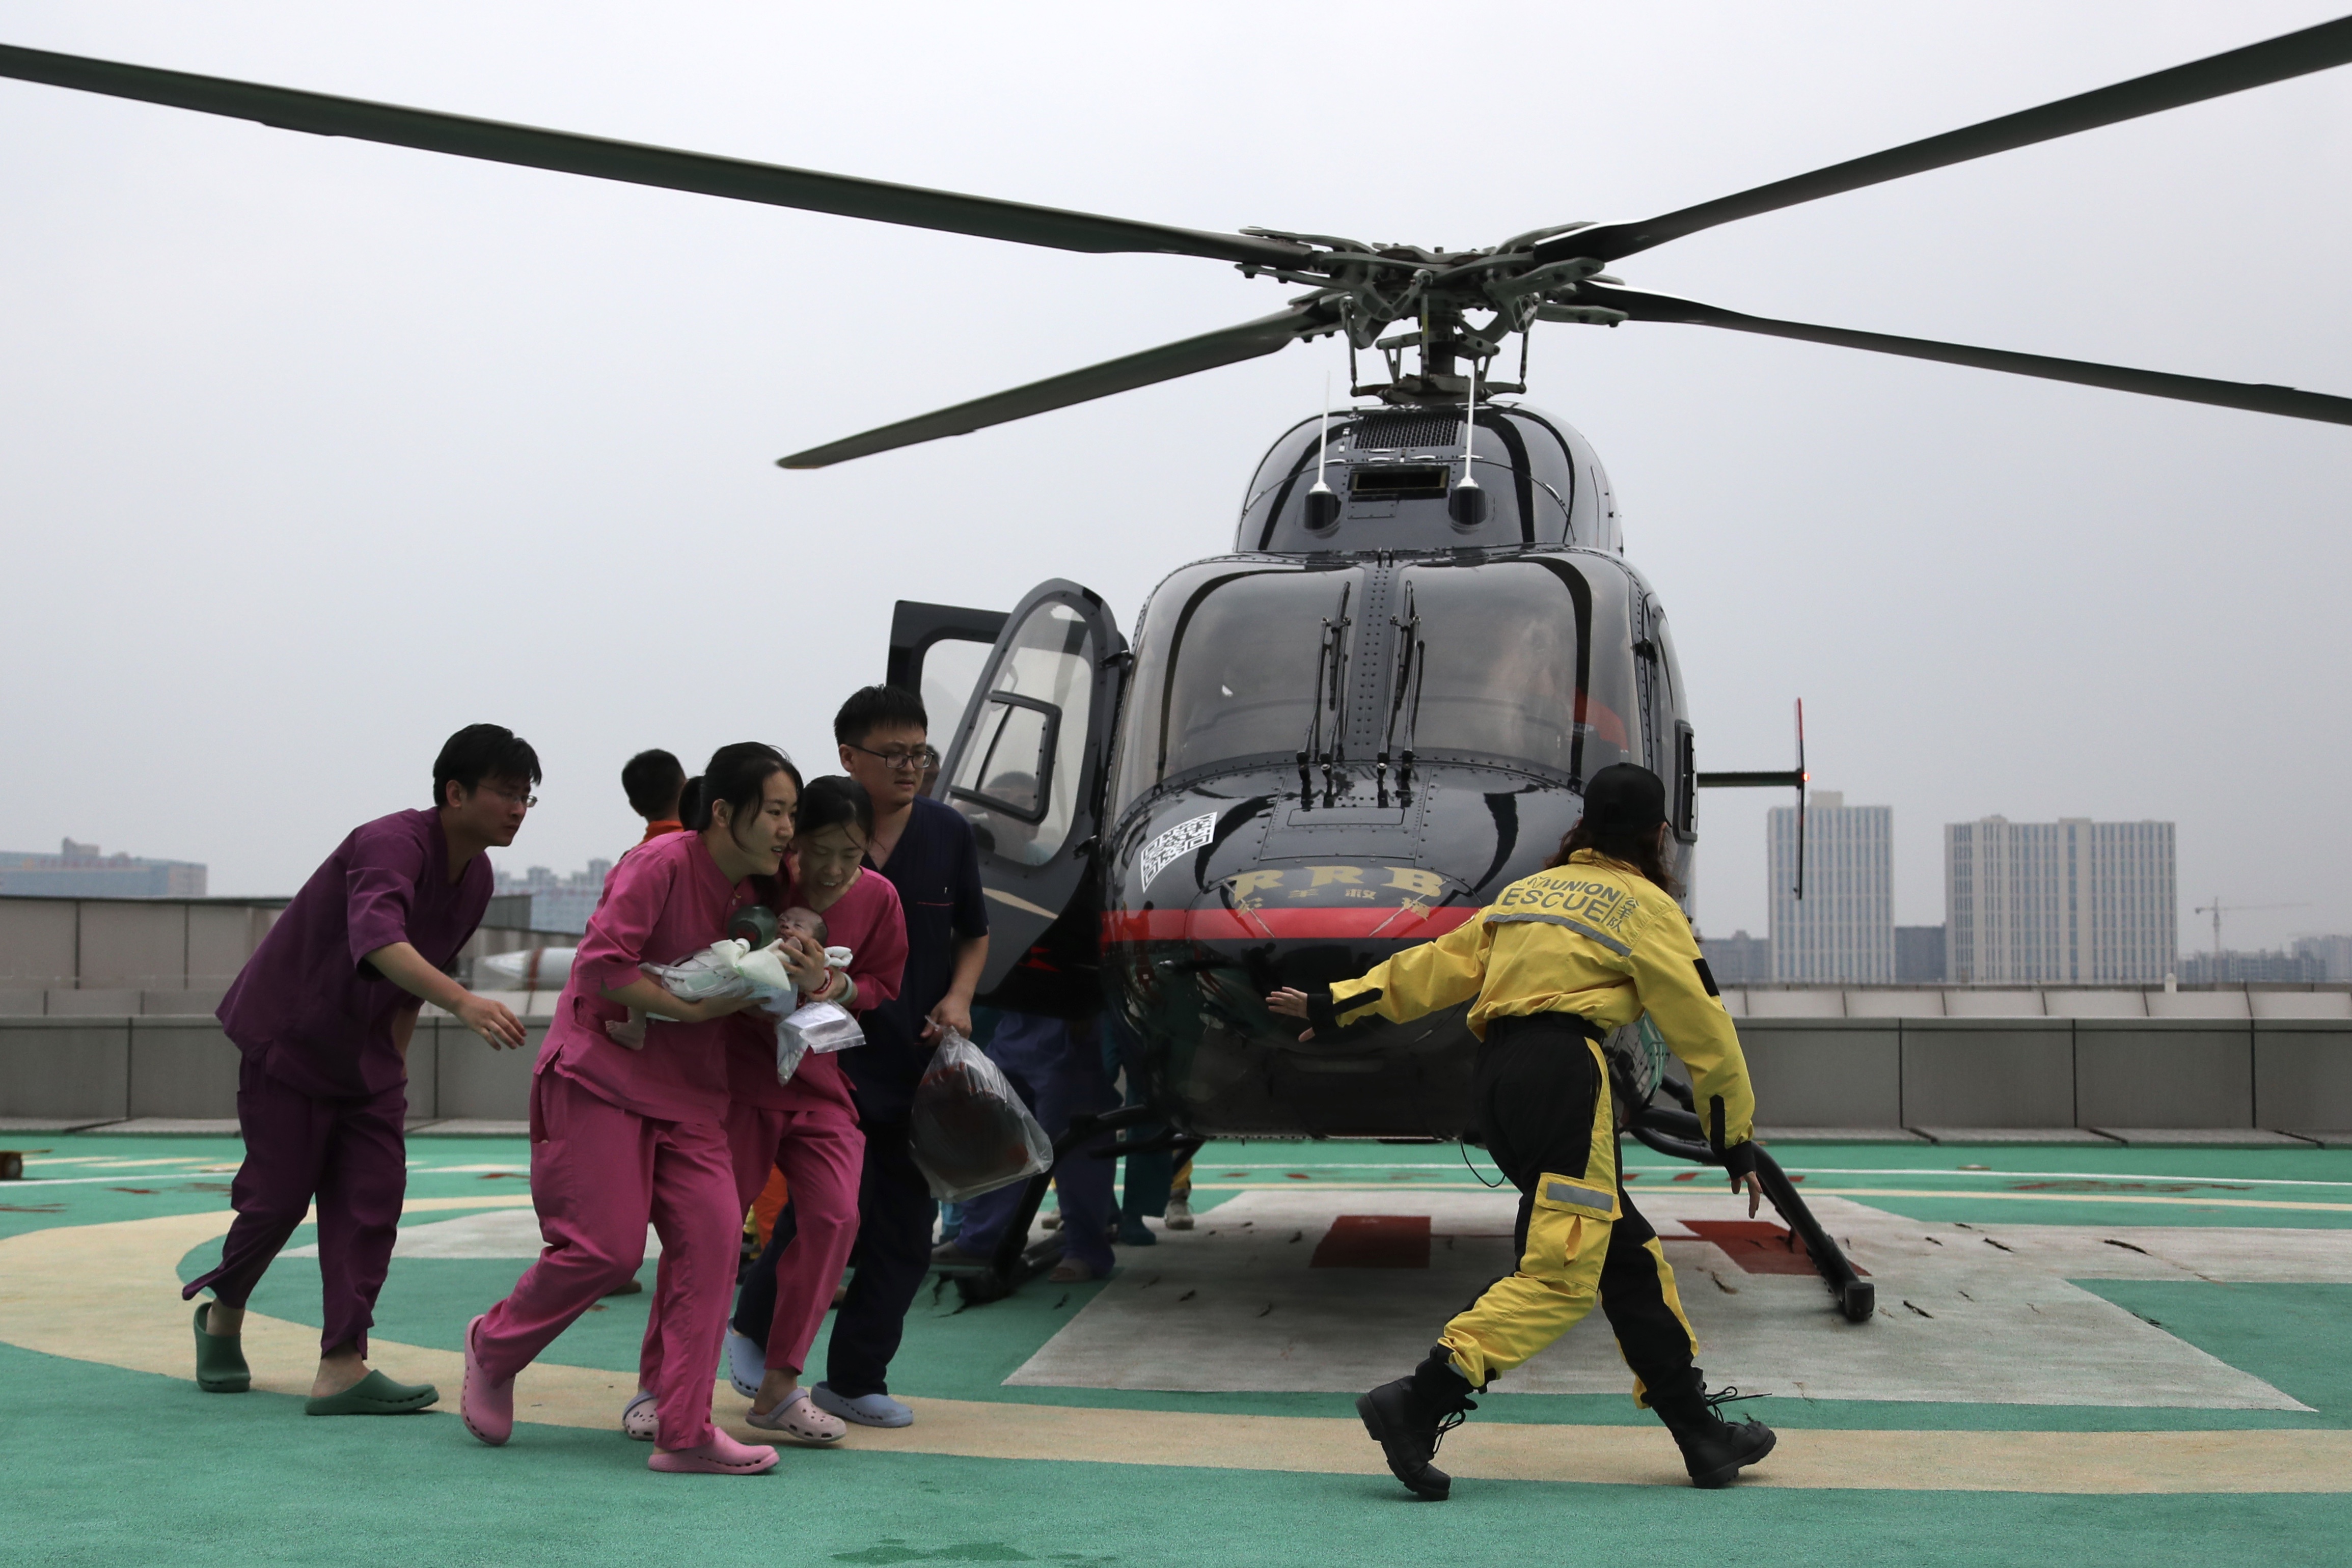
[1592, 937]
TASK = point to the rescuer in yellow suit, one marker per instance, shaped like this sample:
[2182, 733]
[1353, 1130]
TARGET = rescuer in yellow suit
[1563, 957]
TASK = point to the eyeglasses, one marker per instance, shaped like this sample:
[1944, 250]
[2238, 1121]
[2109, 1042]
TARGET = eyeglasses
[899, 760]
[510, 797]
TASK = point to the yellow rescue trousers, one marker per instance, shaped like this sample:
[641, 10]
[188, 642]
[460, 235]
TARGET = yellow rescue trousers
[1540, 1095]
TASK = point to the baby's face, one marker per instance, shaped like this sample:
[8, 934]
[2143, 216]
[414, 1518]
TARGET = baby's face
[807, 922]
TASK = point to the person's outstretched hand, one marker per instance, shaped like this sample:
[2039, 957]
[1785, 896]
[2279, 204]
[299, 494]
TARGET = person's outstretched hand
[1755, 1192]
[492, 1021]
[1289, 1002]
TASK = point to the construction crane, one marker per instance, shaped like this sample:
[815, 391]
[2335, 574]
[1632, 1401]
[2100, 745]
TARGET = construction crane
[2217, 909]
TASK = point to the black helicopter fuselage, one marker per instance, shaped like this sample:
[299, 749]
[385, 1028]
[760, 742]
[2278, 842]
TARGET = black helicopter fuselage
[1329, 746]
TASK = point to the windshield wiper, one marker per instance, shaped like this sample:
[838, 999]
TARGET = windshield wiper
[1330, 665]
[1404, 699]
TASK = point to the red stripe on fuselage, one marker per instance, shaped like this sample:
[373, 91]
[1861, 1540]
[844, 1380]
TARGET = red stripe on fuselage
[1392, 924]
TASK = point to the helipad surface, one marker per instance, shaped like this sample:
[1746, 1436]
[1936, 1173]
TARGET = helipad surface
[2117, 1353]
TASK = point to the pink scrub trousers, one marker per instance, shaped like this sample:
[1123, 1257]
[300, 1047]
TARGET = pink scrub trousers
[598, 1174]
[821, 1152]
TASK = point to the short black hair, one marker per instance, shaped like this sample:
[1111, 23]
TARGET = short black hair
[833, 799]
[482, 751]
[869, 709]
[652, 779]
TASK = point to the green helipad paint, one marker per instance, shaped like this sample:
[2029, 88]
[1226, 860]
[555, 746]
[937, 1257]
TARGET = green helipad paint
[106, 1466]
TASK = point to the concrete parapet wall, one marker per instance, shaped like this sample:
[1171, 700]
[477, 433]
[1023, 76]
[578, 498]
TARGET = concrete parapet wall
[186, 1067]
[58, 948]
[1869, 1071]
[2051, 1072]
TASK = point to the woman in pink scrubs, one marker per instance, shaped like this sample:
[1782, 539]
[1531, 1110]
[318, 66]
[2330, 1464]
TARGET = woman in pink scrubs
[808, 1127]
[620, 1136]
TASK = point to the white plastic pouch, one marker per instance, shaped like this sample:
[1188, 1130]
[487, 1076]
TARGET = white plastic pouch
[818, 1029]
[970, 1132]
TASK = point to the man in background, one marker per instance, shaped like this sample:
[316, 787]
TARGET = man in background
[653, 780]
[323, 1012]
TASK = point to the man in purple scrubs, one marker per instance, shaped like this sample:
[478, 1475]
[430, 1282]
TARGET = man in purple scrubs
[323, 1011]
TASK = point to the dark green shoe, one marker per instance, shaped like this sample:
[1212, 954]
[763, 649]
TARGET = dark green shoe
[375, 1395]
[220, 1359]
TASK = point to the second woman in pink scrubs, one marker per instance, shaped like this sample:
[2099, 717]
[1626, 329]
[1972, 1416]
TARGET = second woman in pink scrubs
[620, 1136]
[808, 1127]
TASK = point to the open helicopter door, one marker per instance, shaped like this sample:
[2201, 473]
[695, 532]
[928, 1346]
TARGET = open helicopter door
[1027, 760]
[938, 652]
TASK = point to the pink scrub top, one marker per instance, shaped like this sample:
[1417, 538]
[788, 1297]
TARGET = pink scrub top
[667, 901]
[868, 920]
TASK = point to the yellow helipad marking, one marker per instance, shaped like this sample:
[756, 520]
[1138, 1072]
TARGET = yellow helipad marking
[1970, 1194]
[110, 1294]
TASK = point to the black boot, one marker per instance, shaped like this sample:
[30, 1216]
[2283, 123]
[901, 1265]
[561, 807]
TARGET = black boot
[1714, 1449]
[1409, 1417]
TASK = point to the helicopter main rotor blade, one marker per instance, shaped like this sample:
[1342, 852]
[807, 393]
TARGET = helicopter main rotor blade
[2259, 398]
[2257, 65]
[670, 169]
[1227, 346]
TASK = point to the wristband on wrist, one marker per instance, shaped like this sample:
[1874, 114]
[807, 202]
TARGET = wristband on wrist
[1740, 1160]
[1323, 1011]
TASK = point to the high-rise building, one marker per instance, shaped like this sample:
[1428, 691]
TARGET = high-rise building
[2333, 954]
[559, 903]
[80, 872]
[1737, 959]
[2067, 902]
[1919, 955]
[1842, 930]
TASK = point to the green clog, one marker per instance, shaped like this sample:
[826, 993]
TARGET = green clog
[375, 1395]
[220, 1359]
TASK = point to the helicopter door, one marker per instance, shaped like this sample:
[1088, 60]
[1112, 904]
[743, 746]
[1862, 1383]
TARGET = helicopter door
[1026, 764]
[938, 651]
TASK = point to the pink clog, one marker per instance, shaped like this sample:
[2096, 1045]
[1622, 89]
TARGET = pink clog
[722, 1455]
[487, 1408]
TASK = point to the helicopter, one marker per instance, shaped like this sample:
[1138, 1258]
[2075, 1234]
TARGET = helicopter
[1346, 735]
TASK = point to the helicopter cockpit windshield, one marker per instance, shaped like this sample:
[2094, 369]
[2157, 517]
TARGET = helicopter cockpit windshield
[1508, 669]
[1506, 663]
[1227, 672]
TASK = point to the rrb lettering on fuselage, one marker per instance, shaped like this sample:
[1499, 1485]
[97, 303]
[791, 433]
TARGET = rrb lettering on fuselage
[1346, 881]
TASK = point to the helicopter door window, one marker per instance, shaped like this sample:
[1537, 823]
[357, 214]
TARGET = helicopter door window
[1018, 780]
[952, 669]
[1503, 644]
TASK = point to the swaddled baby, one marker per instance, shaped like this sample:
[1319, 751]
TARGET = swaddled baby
[811, 925]
[734, 968]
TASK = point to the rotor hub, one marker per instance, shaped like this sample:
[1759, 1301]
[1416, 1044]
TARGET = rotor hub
[1434, 295]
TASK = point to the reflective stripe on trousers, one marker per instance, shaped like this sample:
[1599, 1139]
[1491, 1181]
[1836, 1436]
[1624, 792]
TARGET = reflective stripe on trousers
[1541, 1095]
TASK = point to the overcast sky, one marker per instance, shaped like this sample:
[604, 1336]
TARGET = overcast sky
[312, 451]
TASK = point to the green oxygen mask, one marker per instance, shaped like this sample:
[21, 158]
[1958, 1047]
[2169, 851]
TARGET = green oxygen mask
[755, 924]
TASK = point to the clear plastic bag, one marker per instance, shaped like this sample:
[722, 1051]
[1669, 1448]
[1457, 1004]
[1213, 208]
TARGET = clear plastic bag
[818, 1029]
[971, 1134]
